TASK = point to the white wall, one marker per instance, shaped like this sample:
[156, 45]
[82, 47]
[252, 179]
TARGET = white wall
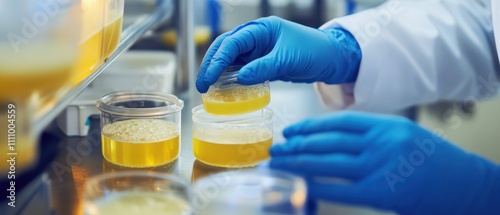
[479, 134]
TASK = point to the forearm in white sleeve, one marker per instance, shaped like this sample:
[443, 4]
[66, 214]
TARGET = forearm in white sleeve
[417, 52]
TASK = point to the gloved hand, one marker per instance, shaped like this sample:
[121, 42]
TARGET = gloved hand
[276, 49]
[390, 163]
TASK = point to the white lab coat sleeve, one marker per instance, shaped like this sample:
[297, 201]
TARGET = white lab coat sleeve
[417, 52]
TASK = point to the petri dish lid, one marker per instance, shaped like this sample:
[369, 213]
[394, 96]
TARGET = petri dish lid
[140, 104]
[230, 75]
[262, 191]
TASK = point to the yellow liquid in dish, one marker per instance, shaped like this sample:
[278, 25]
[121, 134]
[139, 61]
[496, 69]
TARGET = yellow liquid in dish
[112, 33]
[231, 147]
[139, 203]
[140, 142]
[25, 147]
[236, 100]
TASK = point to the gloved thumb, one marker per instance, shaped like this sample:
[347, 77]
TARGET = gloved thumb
[259, 70]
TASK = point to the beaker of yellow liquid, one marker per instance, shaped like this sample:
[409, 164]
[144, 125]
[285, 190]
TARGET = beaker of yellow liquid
[38, 50]
[232, 141]
[113, 21]
[140, 130]
[227, 97]
[137, 193]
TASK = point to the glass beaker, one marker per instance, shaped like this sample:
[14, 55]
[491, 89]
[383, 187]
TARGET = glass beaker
[140, 129]
[258, 191]
[38, 51]
[137, 193]
[228, 97]
[232, 141]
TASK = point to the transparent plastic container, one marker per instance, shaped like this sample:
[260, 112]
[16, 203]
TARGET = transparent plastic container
[90, 57]
[232, 141]
[137, 193]
[113, 21]
[227, 97]
[249, 192]
[140, 130]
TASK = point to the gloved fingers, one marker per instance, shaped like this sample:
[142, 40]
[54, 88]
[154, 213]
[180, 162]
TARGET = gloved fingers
[200, 83]
[321, 143]
[333, 165]
[249, 38]
[260, 70]
[343, 121]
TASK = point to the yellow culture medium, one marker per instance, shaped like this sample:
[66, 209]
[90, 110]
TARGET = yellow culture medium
[231, 147]
[96, 48]
[112, 33]
[90, 57]
[24, 144]
[139, 202]
[91, 32]
[140, 142]
[236, 100]
[99, 41]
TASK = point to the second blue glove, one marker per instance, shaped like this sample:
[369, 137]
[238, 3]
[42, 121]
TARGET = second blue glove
[391, 163]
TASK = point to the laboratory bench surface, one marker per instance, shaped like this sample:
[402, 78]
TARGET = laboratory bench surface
[80, 157]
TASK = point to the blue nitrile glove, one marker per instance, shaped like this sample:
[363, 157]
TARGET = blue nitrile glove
[389, 163]
[276, 49]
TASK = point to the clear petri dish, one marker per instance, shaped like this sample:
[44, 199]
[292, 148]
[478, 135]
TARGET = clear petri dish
[232, 141]
[134, 193]
[258, 191]
[140, 129]
[227, 97]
